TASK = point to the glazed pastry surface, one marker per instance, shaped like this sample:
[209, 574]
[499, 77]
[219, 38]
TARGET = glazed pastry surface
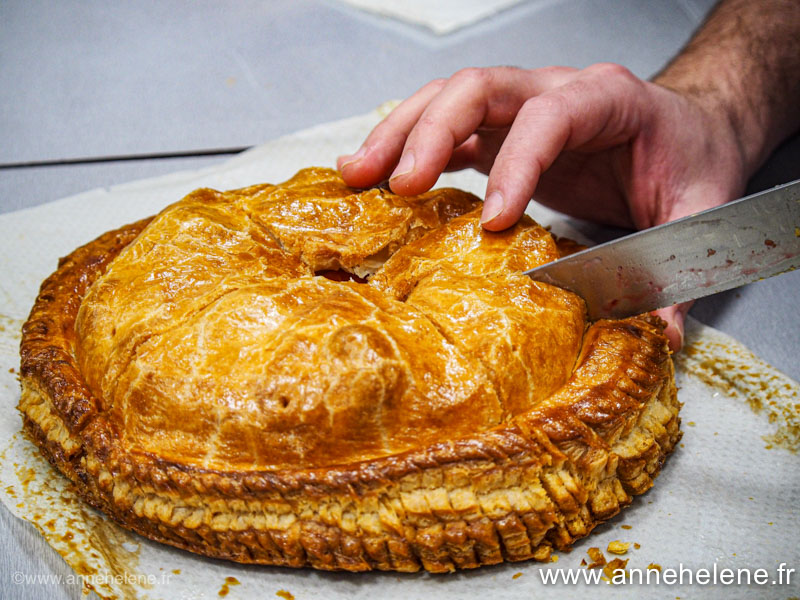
[212, 341]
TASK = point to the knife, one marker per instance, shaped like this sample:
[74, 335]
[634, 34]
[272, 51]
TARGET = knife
[715, 250]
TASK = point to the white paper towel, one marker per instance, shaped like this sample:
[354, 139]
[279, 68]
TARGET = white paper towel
[441, 17]
[727, 498]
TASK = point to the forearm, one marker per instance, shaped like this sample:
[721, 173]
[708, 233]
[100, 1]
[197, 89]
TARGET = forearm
[743, 64]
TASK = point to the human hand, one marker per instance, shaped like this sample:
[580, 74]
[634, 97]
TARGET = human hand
[596, 143]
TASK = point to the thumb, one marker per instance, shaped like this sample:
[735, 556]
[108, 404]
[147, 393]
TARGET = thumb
[674, 316]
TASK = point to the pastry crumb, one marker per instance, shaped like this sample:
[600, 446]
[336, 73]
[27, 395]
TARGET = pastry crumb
[617, 547]
[598, 559]
[654, 567]
[614, 566]
[516, 575]
[626, 526]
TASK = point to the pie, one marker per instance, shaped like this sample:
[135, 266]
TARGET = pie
[306, 374]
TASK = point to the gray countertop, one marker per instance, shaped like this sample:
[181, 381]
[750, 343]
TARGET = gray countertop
[95, 79]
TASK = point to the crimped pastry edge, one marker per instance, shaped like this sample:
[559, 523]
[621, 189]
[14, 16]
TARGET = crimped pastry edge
[541, 481]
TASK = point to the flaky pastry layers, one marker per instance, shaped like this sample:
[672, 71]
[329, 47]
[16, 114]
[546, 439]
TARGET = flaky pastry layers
[201, 381]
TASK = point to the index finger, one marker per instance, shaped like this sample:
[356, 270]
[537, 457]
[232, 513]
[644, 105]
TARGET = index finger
[427, 126]
[471, 99]
[380, 152]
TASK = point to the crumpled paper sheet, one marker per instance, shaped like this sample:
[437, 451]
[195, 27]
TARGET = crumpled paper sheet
[441, 17]
[728, 495]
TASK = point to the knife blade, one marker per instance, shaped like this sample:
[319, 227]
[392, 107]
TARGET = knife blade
[715, 250]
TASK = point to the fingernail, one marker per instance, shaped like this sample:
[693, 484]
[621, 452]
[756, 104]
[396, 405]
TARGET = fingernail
[405, 166]
[492, 207]
[354, 157]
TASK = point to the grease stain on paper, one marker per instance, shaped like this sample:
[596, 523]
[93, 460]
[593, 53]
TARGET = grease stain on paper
[104, 555]
[229, 581]
[727, 366]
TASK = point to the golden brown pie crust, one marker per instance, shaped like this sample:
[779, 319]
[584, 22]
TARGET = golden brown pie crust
[202, 386]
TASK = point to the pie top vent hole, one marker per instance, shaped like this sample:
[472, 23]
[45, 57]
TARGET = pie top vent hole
[339, 275]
